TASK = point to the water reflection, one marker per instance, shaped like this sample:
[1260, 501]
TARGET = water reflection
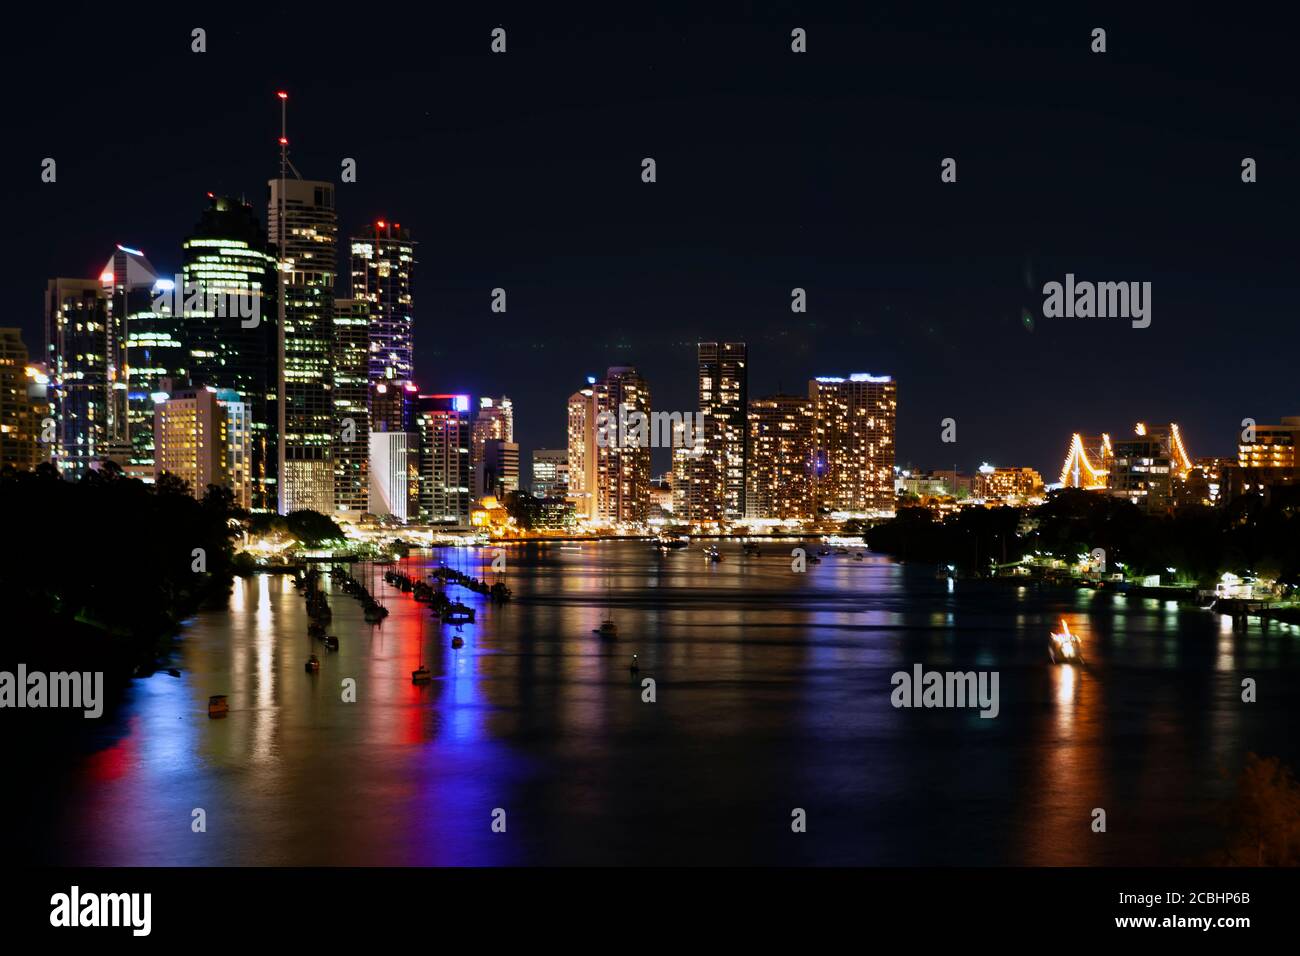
[772, 693]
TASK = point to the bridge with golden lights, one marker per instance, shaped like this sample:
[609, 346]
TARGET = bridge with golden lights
[1088, 460]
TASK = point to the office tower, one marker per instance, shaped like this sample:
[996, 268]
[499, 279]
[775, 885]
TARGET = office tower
[394, 475]
[228, 321]
[239, 445]
[622, 460]
[383, 260]
[19, 426]
[782, 477]
[304, 229]
[550, 472]
[77, 344]
[495, 420]
[442, 423]
[192, 440]
[156, 350]
[351, 401]
[497, 473]
[696, 488]
[581, 452]
[130, 282]
[392, 406]
[723, 379]
[853, 434]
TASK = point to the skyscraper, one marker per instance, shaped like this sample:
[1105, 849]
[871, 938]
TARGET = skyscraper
[495, 421]
[227, 256]
[383, 260]
[191, 439]
[622, 462]
[853, 434]
[498, 471]
[550, 472]
[442, 423]
[609, 467]
[351, 406]
[781, 458]
[304, 227]
[581, 430]
[394, 475]
[77, 346]
[723, 380]
[129, 281]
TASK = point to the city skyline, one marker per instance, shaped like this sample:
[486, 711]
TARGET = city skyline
[559, 218]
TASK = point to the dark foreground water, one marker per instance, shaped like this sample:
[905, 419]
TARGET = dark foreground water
[773, 693]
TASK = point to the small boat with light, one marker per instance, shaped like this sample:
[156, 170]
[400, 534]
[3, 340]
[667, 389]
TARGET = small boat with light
[712, 555]
[607, 628]
[1065, 648]
[458, 642]
[313, 664]
[331, 642]
[217, 705]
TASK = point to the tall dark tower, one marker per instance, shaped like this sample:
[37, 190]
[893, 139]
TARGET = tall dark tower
[227, 257]
[383, 261]
[304, 230]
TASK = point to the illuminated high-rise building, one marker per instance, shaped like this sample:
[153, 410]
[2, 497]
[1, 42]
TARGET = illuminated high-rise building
[497, 473]
[853, 434]
[228, 263]
[581, 451]
[723, 380]
[351, 406]
[306, 239]
[781, 482]
[622, 460]
[383, 262]
[442, 423]
[392, 406]
[192, 439]
[394, 475]
[77, 346]
[550, 472]
[19, 425]
[495, 421]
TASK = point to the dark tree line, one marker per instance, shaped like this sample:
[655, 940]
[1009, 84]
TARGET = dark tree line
[99, 573]
[1250, 535]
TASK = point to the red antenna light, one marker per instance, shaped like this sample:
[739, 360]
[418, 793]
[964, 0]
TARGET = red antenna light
[284, 141]
[380, 224]
[282, 94]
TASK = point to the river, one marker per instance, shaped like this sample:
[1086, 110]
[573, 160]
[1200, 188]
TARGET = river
[772, 693]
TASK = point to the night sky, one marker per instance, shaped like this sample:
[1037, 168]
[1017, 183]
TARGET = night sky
[775, 170]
